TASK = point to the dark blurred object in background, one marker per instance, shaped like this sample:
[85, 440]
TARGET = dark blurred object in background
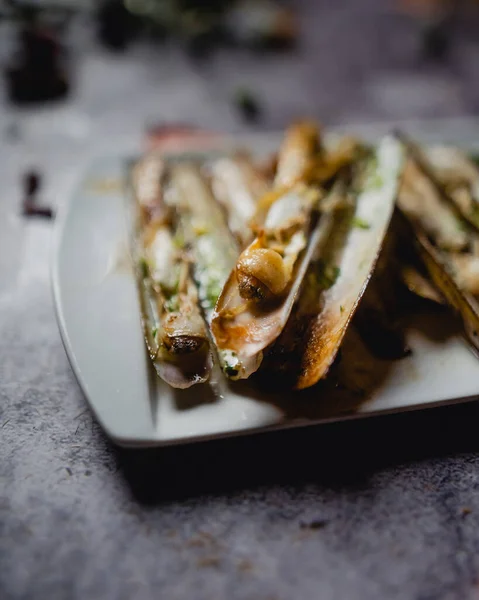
[36, 72]
[38, 76]
[31, 184]
[117, 26]
[437, 18]
[203, 25]
[247, 104]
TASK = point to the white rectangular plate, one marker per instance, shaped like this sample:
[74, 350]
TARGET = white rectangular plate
[98, 313]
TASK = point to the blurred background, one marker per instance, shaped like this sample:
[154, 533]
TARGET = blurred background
[222, 64]
[92, 75]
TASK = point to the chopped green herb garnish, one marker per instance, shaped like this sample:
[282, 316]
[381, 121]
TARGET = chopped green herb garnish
[376, 181]
[341, 308]
[169, 288]
[200, 229]
[325, 275]
[373, 178]
[172, 304]
[179, 241]
[361, 223]
[154, 331]
[213, 290]
[144, 268]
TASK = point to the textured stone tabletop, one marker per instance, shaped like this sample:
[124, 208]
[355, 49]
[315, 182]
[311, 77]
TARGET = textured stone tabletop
[382, 508]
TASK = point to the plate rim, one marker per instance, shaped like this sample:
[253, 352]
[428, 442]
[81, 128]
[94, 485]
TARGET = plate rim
[227, 141]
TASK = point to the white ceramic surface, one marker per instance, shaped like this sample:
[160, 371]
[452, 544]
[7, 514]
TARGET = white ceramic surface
[97, 308]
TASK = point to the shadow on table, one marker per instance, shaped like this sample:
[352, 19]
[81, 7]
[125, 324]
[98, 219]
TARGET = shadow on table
[336, 455]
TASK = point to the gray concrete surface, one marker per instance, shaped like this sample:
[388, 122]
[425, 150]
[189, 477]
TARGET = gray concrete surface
[385, 508]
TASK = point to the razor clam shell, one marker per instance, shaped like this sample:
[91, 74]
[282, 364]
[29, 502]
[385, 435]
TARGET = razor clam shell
[300, 144]
[464, 304]
[309, 344]
[460, 176]
[466, 271]
[300, 147]
[419, 285]
[421, 201]
[179, 371]
[237, 185]
[377, 317]
[213, 248]
[441, 269]
[249, 333]
[202, 222]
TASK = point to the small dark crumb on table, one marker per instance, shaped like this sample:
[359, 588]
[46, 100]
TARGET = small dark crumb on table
[247, 104]
[209, 561]
[315, 524]
[245, 566]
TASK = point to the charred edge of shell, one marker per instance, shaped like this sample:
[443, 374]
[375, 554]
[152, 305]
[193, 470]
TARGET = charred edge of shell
[251, 288]
[459, 175]
[377, 318]
[462, 303]
[415, 153]
[316, 328]
[184, 344]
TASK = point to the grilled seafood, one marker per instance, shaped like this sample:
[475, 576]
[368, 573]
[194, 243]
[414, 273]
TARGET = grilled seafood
[269, 268]
[378, 316]
[237, 184]
[174, 329]
[203, 228]
[339, 274]
[459, 177]
[452, 268]
[260, 291]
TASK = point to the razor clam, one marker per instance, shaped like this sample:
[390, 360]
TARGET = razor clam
[445, 280]
[174, 330]
[203, 227]
[259, 295]
[237, 184]
[261, 289]
[455, 274]
[297, 156]
[340, 272]
[421, 202]
[299, 148]
[459, 176]
[459, 242]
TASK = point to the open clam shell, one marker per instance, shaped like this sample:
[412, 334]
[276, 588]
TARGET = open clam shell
[175, 332]
[341, 269]
[261, 288]
[237, 185]
[453, 270]
[459, 176]
[212, 247]
[244, 326]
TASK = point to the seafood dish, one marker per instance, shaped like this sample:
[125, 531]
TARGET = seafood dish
[259, 270]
